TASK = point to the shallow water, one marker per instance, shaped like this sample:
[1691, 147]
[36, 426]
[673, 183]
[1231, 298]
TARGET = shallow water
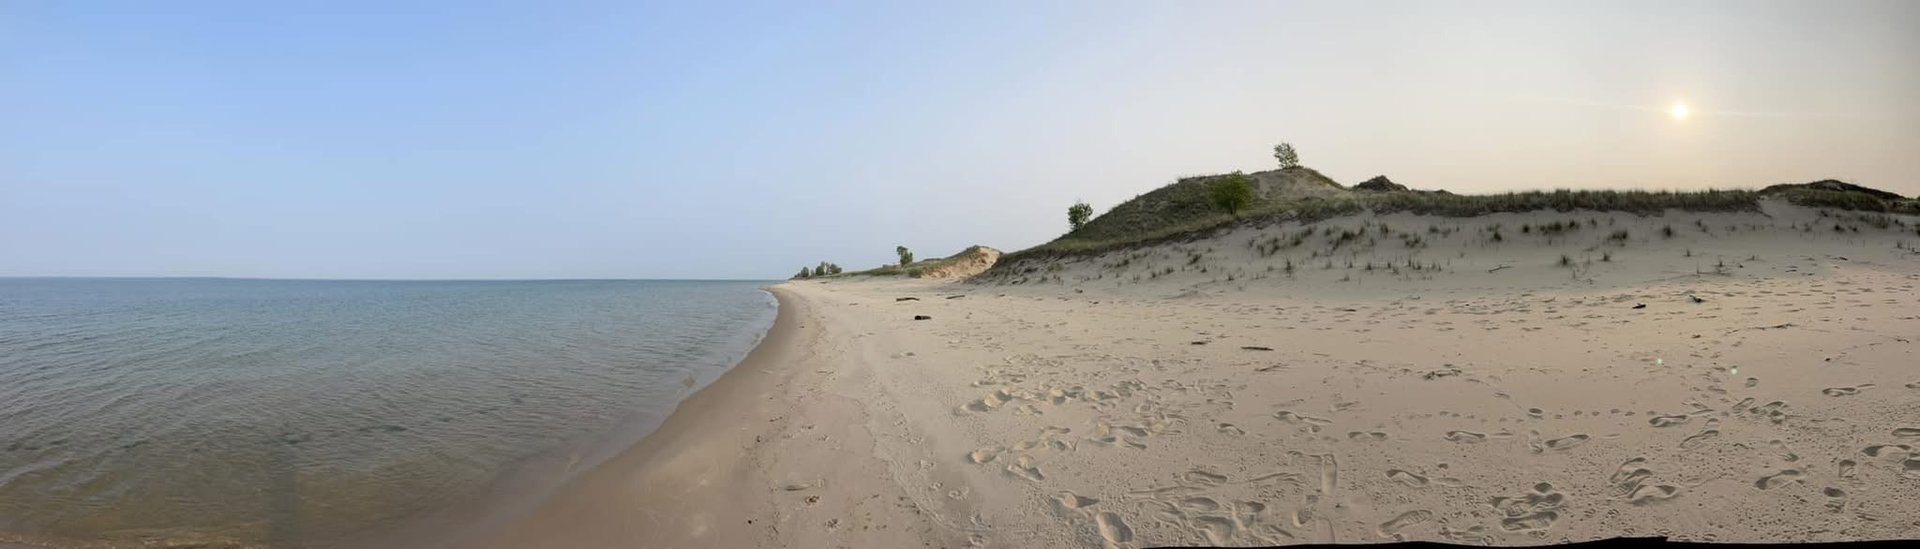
[283, 413]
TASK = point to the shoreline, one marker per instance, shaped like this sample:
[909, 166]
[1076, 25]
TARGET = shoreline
[567, 516]
[531, 485]
[700, 478]
[799, 445]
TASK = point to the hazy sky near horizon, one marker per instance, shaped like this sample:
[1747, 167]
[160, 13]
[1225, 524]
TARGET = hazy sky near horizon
[745, 139]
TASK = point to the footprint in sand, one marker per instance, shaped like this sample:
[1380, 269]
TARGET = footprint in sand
[1230, 429]
[1218, 530]
[1698, 440]
[984, 455]
[1907, 432]
[1407, 478]
[1199, 505]
[1373, 436]
[1073, 502]
[1113, 529]
[1248, 509]
[1392, 526]
[1667, 421]
[1896, 451]
[990, 402]
[1567, 442]
[1647, 495]
[1836, 498]
[1112, 440]
[1465, 437]
[1779, 479]
[1294, 418]
[1202, 477]
[1023, 467]
[1534, 511]
[1775, 411]
[1845, 391]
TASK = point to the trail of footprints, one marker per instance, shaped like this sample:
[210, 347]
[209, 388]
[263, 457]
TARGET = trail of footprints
[1132, 413]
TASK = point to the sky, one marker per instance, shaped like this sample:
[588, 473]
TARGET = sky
[579, 139]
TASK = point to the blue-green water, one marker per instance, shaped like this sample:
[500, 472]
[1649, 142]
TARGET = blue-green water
[286, 413]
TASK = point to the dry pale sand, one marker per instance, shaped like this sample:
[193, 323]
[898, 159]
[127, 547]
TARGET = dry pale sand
[1109, 406]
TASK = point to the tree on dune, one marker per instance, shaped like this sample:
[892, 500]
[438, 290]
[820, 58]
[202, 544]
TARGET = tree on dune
[1077, 215]
[1285, 154]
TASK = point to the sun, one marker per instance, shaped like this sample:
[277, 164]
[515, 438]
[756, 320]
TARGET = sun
[1679, 111]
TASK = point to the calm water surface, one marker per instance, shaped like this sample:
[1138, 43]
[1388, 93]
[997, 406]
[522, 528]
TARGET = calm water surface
[284, 413]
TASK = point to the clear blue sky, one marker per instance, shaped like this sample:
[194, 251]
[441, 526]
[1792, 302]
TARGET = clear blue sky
[742, 140]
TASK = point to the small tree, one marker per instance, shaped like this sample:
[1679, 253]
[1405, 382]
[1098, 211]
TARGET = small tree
[804, 273]
[1077, 215]
[1232, 192]
[833, 268]
[906, 256]
[823, 270]
[1284, 153]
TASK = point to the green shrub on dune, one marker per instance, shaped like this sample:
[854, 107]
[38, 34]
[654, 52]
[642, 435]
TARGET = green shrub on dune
[1231, 193]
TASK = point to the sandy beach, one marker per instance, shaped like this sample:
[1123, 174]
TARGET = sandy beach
[1740, 379]
[982, 275]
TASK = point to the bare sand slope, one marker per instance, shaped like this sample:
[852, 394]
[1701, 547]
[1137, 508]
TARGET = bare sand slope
[1766, 391]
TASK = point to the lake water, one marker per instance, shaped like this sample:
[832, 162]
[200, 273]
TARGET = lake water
[290, 413]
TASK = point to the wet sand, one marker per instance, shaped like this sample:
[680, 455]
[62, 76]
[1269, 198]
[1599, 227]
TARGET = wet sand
[704, 479]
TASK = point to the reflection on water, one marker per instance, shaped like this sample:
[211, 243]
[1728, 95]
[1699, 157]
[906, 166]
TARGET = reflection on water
[282, 412]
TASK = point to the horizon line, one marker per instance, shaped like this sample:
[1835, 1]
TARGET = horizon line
[310, 279]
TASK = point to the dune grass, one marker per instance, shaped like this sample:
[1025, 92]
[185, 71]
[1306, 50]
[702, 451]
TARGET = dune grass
[1203, 222]
[1820, 198]
[1187, 204]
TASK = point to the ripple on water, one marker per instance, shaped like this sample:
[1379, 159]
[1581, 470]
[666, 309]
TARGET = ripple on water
[247, 411]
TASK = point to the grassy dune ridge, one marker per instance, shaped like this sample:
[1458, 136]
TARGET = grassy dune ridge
[1180, 211]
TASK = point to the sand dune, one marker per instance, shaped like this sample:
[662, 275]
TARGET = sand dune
[1748, 378]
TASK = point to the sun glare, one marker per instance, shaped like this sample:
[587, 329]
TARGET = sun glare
[1679, 111]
